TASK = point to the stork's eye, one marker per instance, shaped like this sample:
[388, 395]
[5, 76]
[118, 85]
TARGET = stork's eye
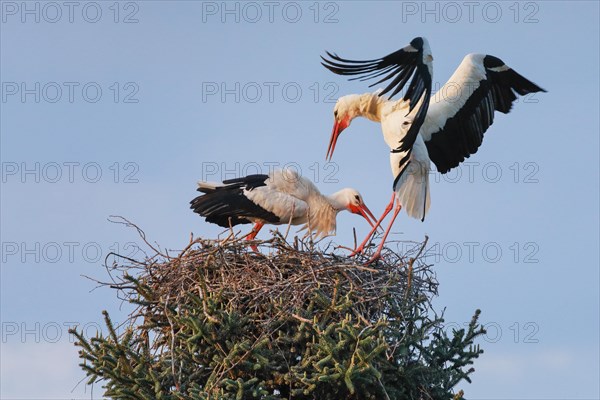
[335, 113]
[357, 197]
[405, 123]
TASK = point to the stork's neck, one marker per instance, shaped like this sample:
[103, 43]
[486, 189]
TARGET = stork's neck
[337, 201]
[323, 211]
[370, 106]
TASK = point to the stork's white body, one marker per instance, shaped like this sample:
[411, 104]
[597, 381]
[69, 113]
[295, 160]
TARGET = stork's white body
[281, 197]
[296, 200]
[412, 189]
[445, 128]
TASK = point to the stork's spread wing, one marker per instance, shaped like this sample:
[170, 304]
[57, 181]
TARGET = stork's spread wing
[413, 60]
[463, 109]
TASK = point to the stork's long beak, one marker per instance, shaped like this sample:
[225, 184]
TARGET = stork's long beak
[365, 212]
[338, 127]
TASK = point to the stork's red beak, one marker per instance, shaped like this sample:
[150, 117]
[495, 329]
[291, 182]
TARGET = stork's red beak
[365, 212]
[338, 127]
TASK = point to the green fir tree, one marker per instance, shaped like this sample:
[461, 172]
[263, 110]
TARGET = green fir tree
[221, 322]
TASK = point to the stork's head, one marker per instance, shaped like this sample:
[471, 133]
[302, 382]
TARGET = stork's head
[346, 109]
[351, 200]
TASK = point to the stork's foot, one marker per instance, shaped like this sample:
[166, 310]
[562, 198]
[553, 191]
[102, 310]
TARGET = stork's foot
[376, 257]
[357, 251]
[361, 247]
[254, 248]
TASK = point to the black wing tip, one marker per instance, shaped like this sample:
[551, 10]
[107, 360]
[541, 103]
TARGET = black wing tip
[328, 62]
[417, 43]
[536, 89]
[248, 179]
[524, 86]
[330, 55]
[230, 207]
[490, 61]
[329, 67]
[400, 65]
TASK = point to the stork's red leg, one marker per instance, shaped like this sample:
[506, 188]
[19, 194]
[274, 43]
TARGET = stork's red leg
[387, 232]
[387, 210]
[257, 227]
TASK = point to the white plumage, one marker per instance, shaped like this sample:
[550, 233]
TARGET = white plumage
[445, 128]
[281, 197]
[412, 187]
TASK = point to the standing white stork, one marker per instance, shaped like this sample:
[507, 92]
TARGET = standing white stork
[281, 197]
[450, 128]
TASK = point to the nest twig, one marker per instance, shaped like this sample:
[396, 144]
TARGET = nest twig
[282, 273]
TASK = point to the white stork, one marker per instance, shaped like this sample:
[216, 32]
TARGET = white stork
[281, 197]
[420, 129]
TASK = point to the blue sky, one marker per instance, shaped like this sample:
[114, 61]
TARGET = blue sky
[118, 109]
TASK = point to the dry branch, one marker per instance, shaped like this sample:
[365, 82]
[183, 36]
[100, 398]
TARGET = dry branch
[292, 321]
[280, 273]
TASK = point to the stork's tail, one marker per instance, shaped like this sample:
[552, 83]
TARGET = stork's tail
[220, 204]
[413, 190]
[227, 205]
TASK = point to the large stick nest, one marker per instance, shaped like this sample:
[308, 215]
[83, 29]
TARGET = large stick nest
[282, 274]
[296, 319]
